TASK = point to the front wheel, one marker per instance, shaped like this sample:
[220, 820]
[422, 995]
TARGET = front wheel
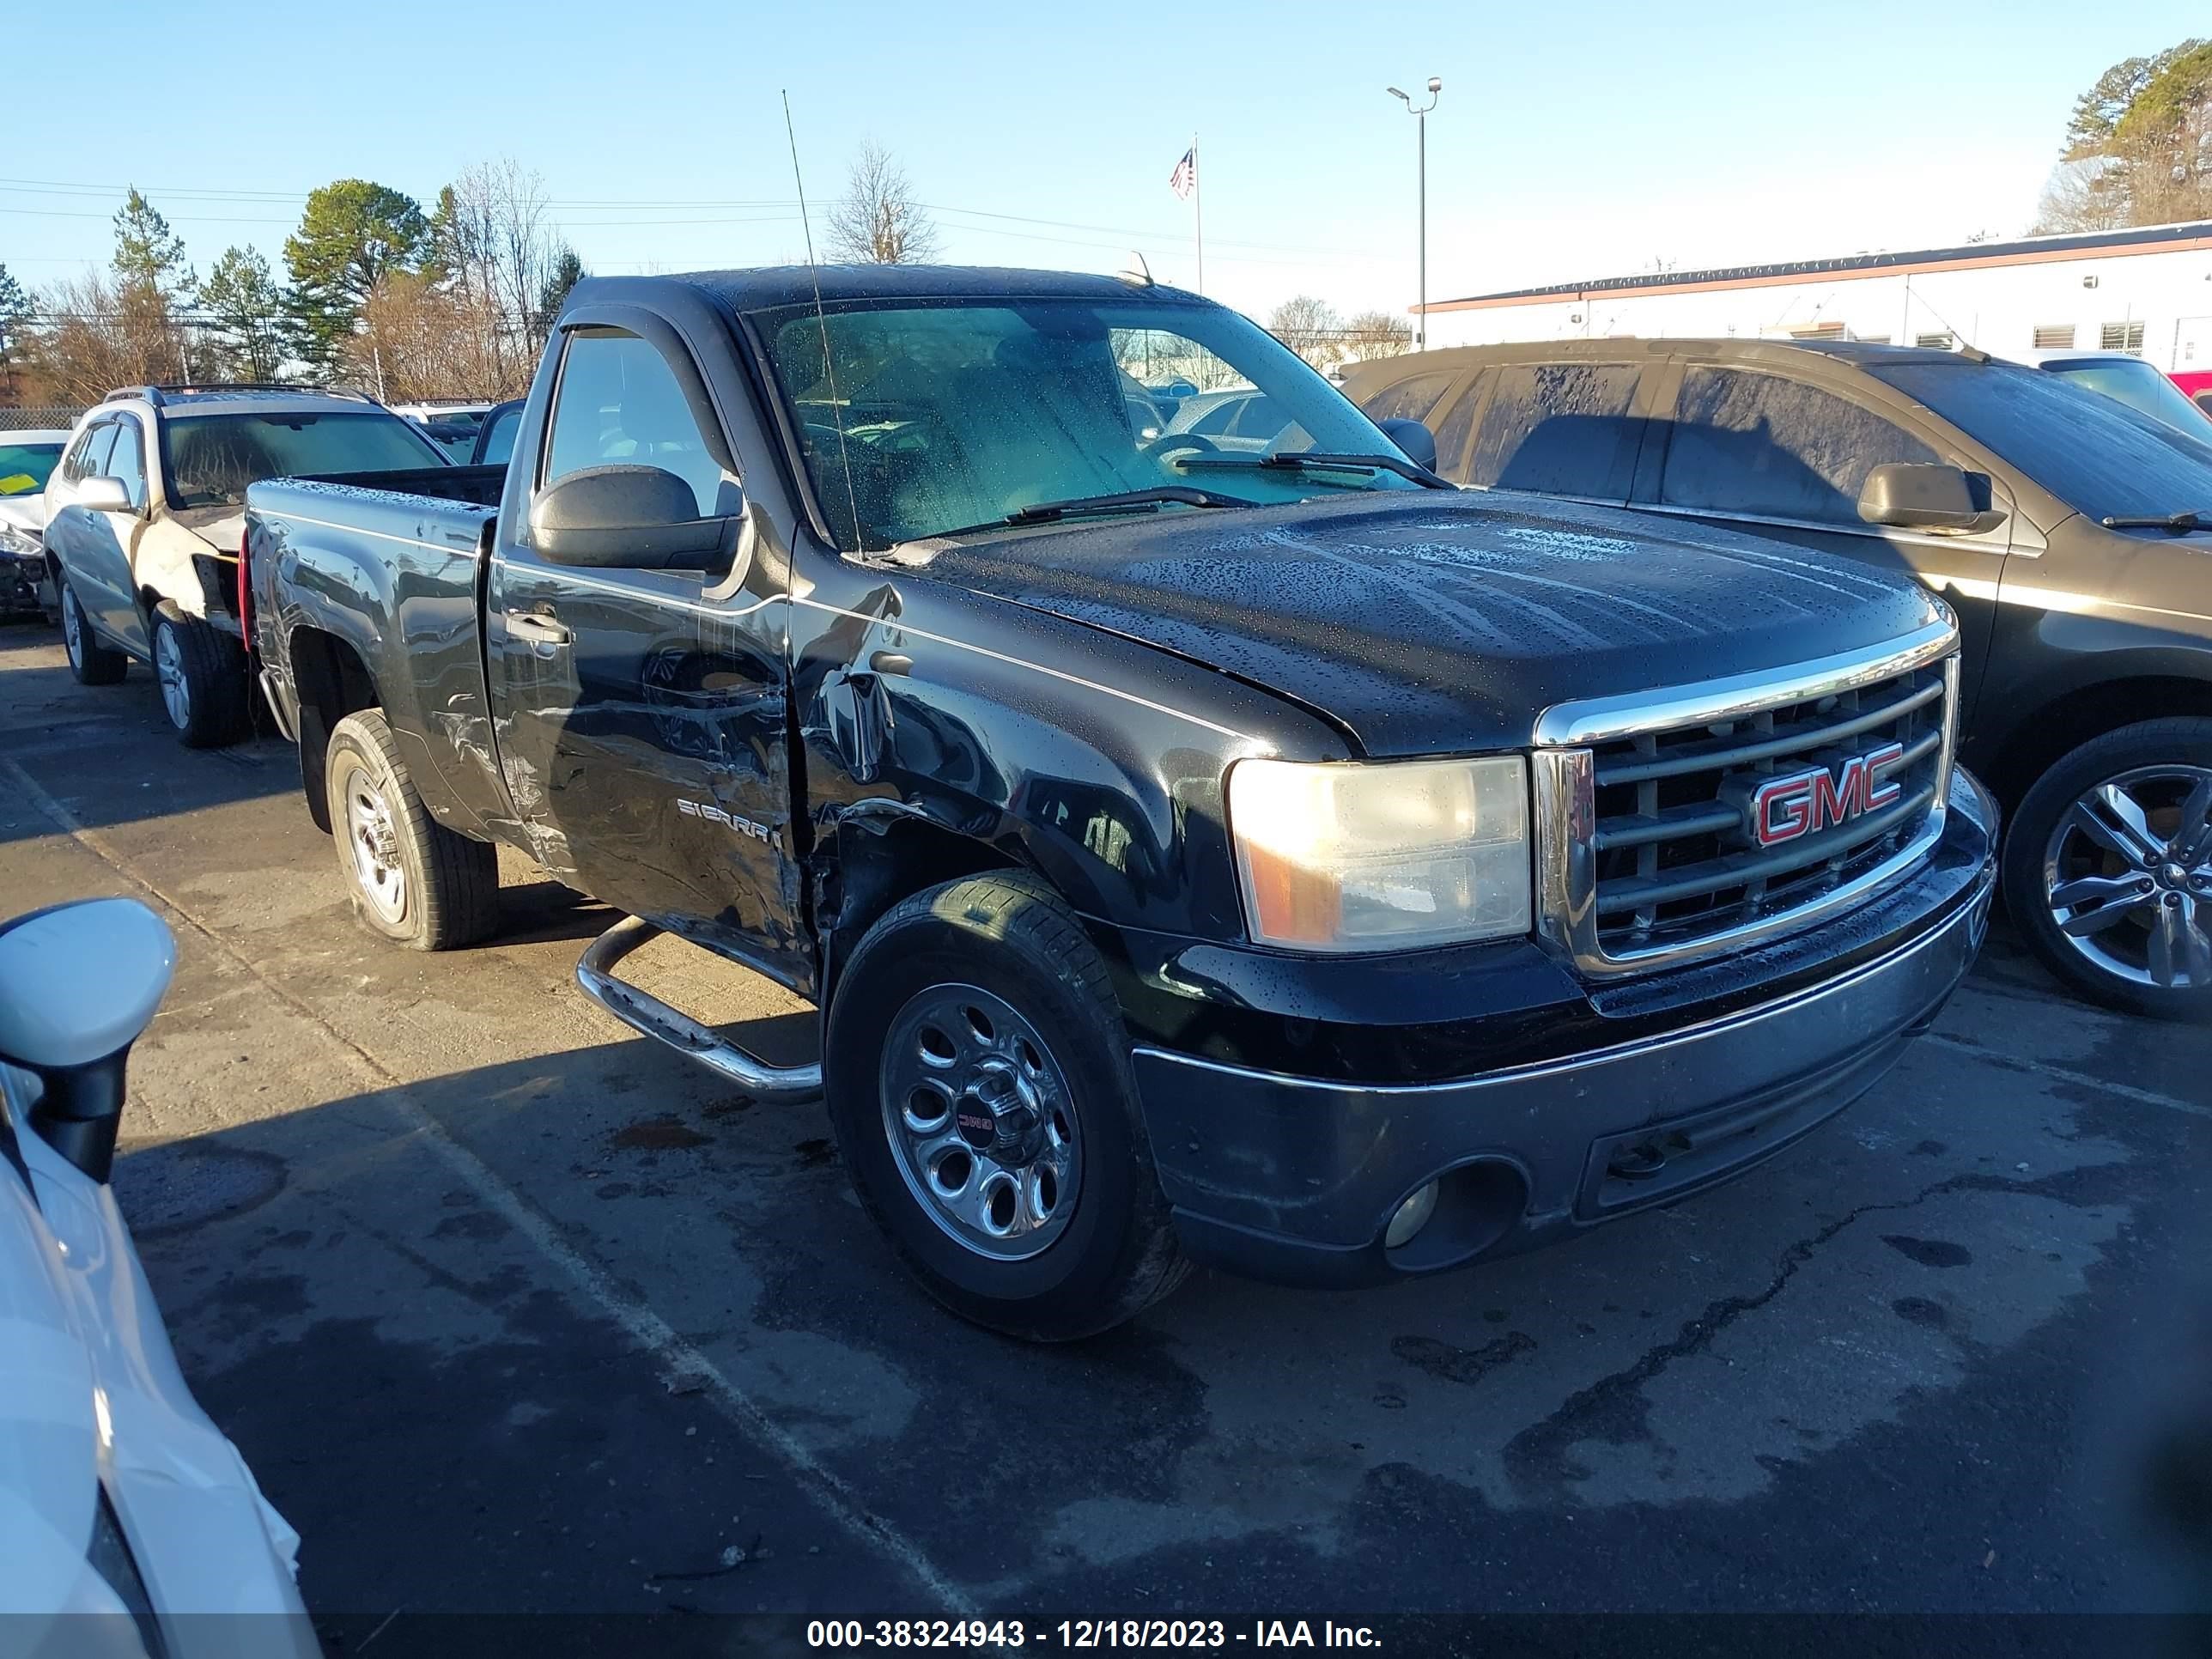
[413, 881]
[977, 1075]
[2108, 868]
[201, 674]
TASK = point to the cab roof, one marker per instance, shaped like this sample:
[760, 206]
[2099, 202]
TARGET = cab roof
[768, 287]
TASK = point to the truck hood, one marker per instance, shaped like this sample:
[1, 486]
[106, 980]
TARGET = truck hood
[1433, 623]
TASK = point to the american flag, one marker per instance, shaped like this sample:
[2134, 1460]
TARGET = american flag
[1184, 179]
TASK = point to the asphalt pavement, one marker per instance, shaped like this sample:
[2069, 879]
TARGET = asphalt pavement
[511, 1310]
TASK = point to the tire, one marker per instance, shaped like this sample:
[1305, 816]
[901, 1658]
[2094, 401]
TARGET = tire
[2116, 899]
[201, 673]
[1040, 1095]
[412, 880]
[92, 663]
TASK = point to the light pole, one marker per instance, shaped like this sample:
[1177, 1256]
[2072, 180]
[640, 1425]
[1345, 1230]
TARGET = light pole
[1420, 114]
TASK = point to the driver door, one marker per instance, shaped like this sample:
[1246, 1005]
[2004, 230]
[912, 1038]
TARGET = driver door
[641, 707]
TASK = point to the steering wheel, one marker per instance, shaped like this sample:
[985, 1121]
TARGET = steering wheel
[1160, 445]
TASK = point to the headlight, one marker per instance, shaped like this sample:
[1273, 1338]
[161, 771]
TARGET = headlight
[14, 539]
[1394, 856]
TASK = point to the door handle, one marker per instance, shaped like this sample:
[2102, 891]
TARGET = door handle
[890, 662]
[537, 629]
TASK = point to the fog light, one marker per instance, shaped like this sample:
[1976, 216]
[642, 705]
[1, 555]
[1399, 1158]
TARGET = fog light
[1412, 1215]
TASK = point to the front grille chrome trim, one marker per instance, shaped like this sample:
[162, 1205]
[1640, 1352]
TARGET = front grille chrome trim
[1565, 789]
[1598, 720]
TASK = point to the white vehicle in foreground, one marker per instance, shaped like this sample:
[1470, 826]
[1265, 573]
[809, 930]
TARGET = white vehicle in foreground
[143, 518]
[130, 1528]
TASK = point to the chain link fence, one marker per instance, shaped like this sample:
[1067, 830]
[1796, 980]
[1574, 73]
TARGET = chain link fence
[58, 417]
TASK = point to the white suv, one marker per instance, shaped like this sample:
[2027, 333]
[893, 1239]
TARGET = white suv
[144, 516]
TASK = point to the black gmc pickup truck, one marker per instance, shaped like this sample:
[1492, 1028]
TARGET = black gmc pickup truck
[1251, 851]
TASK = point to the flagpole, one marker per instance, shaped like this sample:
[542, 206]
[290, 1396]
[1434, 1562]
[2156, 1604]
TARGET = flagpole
[1198, 209]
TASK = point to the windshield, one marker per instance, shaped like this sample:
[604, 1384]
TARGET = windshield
[956, 413]
[24, 468]
[2096, 454]
[2139, 386]
[212, 458]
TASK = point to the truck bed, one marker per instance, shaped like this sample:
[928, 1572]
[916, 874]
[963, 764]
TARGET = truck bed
[380, 573]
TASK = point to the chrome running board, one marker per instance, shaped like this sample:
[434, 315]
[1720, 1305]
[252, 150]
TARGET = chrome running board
[643, 1012]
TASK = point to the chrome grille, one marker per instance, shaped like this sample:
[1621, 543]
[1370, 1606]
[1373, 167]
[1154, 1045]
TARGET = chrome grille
[1648, 854]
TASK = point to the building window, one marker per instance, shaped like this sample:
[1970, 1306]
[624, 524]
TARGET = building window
[1935, 342]
[2122, 336]
[2054, 336]
[1874, 339]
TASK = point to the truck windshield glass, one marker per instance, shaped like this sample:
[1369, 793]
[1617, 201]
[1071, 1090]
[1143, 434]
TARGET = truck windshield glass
[2139, 386]
[24, 468]
[212, 458]
[960, 413]
[2096, 454]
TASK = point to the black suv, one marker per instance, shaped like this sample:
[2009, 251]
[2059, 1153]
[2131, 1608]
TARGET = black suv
[2072, 534]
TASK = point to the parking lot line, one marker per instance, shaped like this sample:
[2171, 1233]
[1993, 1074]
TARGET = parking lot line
[2004, 1061]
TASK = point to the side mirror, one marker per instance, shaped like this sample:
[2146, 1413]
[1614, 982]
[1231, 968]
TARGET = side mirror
[1416, 439]
[616, 517]
[78, 984]
[1928, 496]
[105, 495]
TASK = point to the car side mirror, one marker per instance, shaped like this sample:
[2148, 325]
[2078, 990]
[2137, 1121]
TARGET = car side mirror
[78, 985]
[1419, 443]
[105, 495]
[1928, 496]
[617, 517]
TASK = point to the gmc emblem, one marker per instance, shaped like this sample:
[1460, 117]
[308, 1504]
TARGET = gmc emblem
[1805, 803]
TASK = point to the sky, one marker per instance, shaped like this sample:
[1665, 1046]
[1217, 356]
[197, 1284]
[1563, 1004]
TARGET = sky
[1569, 142]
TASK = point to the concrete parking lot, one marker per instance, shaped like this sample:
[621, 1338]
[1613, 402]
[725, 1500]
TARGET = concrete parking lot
[509, 1309]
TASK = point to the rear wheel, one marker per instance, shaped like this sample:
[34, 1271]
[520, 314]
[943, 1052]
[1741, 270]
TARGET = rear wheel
[92, 663]
[412, 880]
[977, 1073]
[2108, 868]
[201, 674]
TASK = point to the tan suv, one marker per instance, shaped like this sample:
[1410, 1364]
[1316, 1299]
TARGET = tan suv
[144, 515]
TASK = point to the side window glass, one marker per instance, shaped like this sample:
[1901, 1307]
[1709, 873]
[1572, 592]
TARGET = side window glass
[1410, 399]
[127, 460]
[1758, 443]
[499, 443]
[1560, 429]
[1452, 431]
[89, 458]
[620, 404]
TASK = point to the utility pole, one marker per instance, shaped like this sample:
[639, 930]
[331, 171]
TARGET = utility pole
[1420, 114]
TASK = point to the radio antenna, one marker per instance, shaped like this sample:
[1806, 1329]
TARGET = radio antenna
[822, 321]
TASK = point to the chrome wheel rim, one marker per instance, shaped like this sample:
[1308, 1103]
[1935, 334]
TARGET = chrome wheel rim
[169, 669]
[72, 629]
[980, 1123]
[2127, 875]
[374, 844]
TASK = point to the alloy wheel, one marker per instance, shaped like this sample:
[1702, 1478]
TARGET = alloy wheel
[72, 629]
[2127, 874]
[377, 872]
[169, 670]
[980, 1122]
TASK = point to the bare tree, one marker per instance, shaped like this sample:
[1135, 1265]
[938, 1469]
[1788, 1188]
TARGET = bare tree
[878, 221]
[1375, 334]
[1309, 327]
[95, 334]
[494, 254]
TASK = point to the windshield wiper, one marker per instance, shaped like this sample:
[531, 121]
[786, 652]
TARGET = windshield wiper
[1130, 500]
[2179, 523]
[1301, 460]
